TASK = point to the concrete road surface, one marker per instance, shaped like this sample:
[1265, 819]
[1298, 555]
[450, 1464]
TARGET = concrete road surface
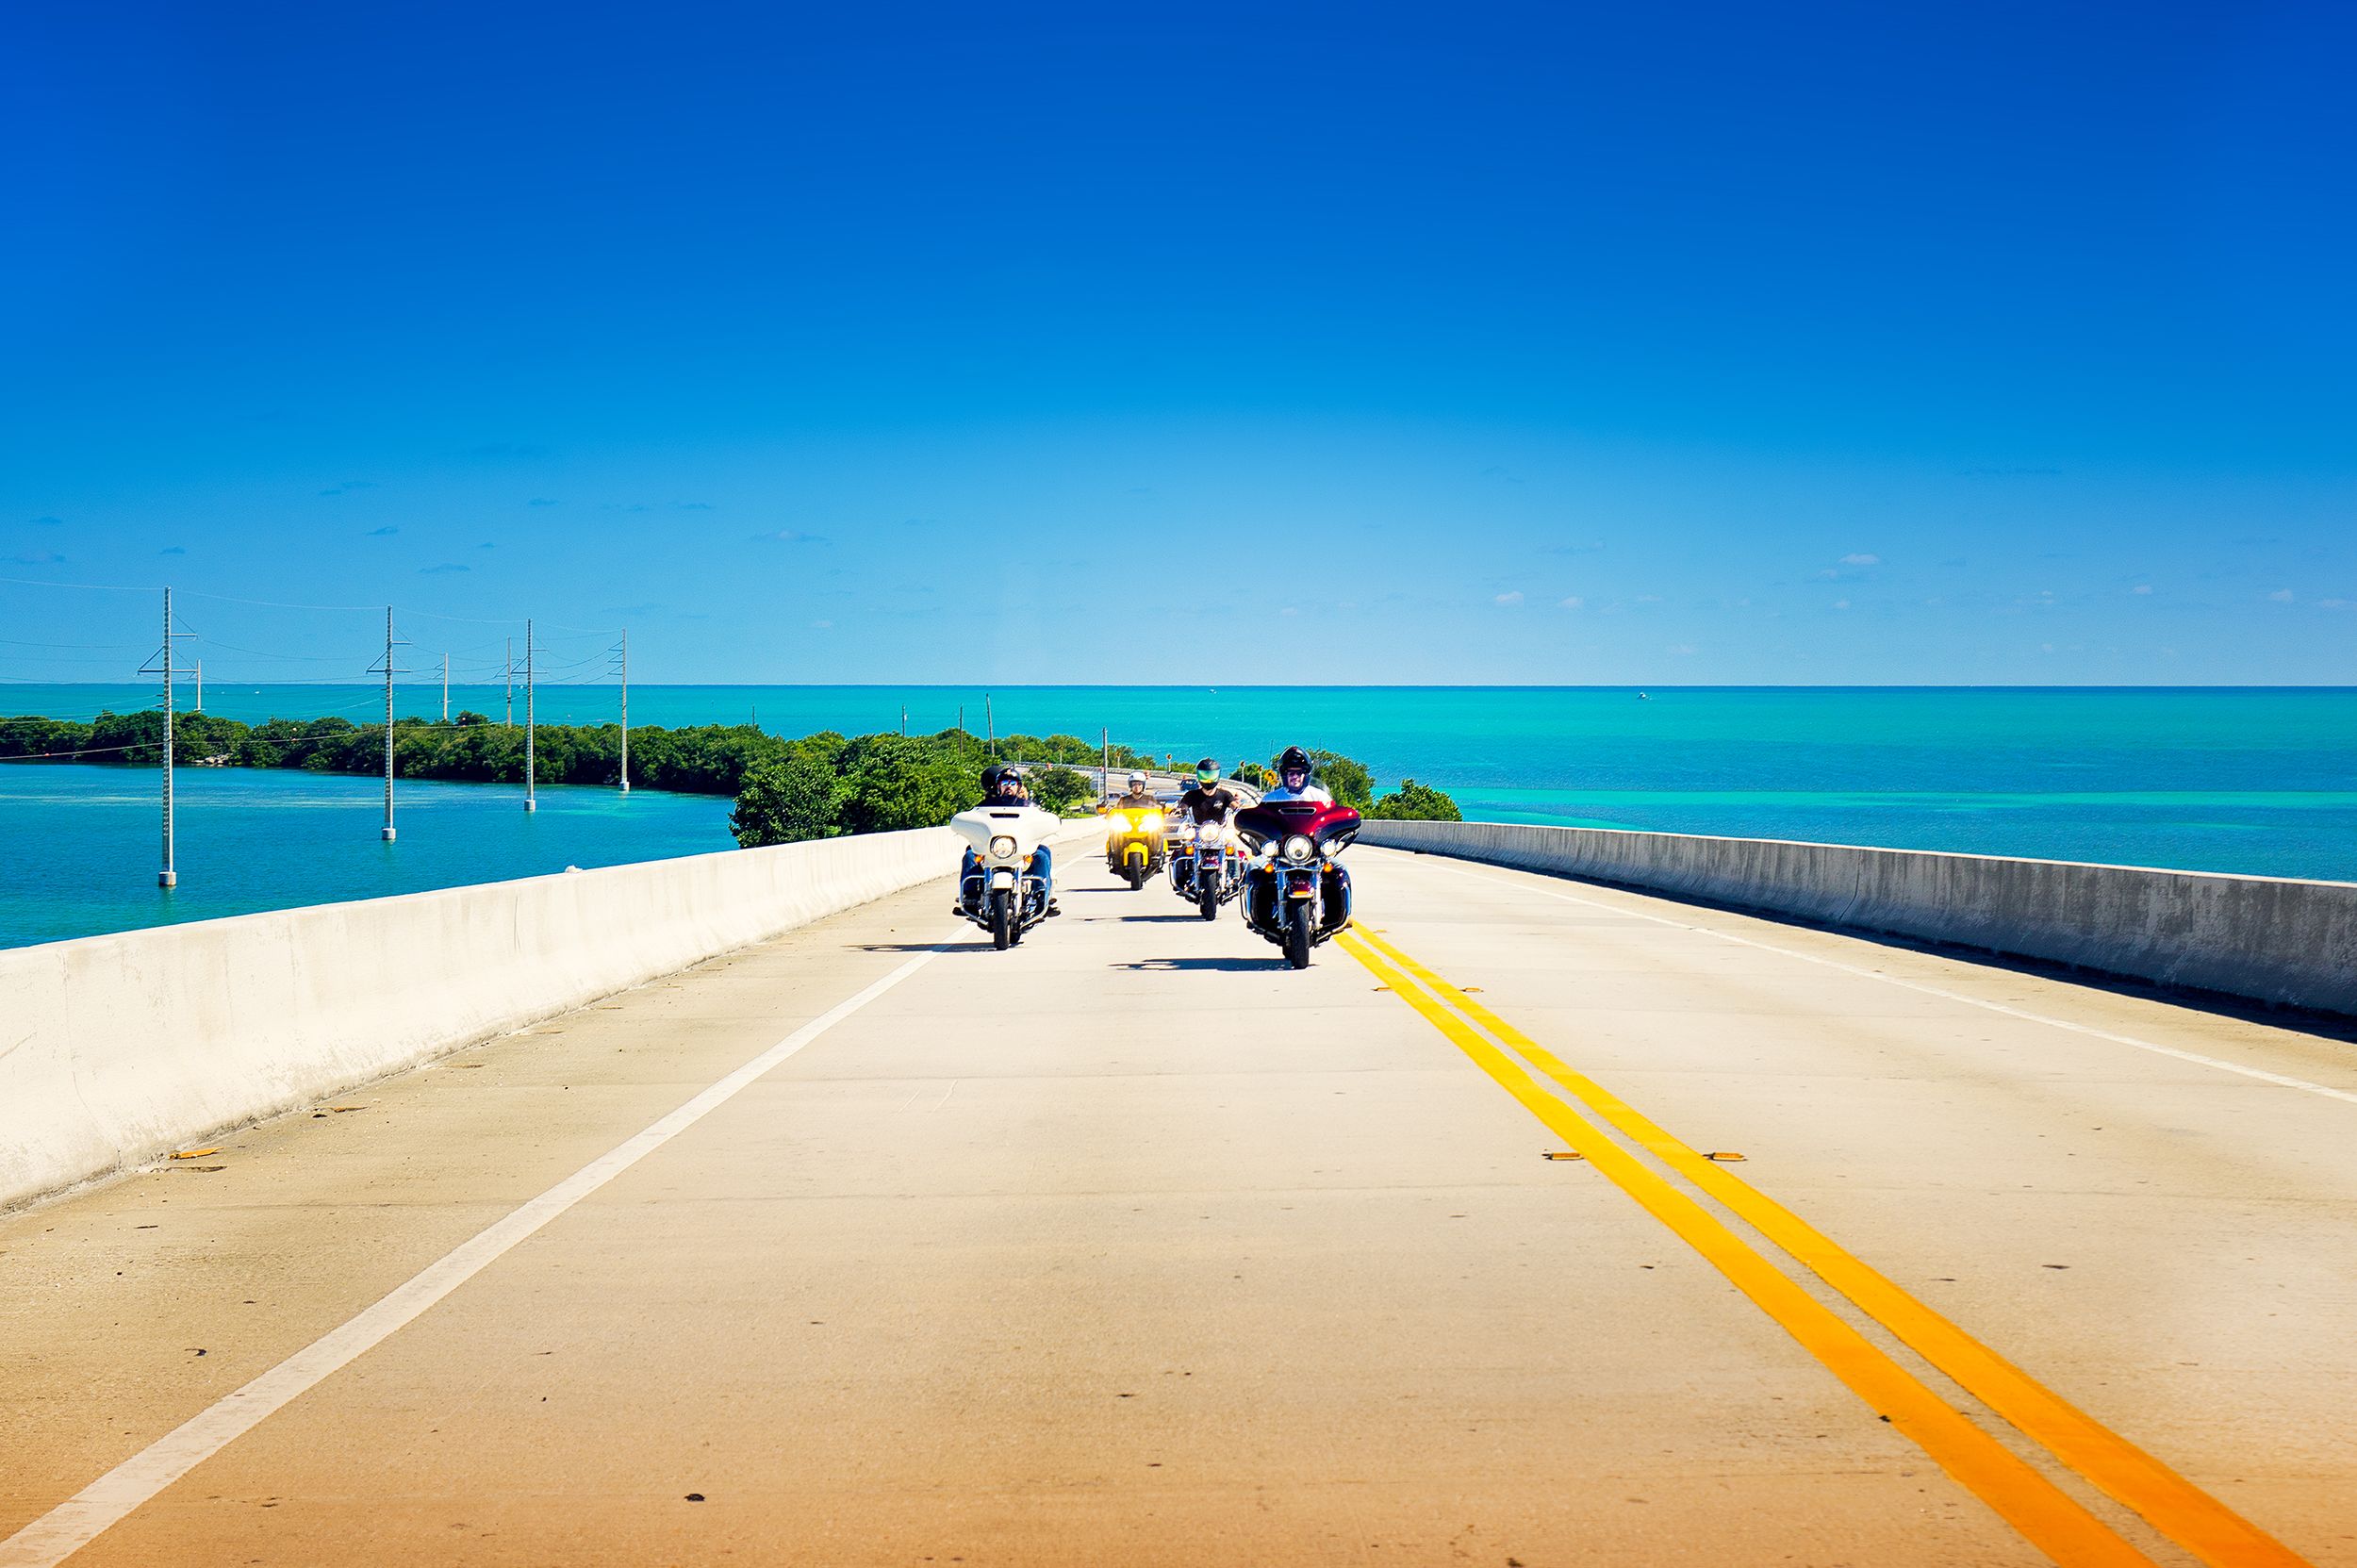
[872, 1246]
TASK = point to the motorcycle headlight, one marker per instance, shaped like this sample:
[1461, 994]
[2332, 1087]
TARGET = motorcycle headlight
[1329, 848]
[1003, 847]
[1212, 833]
[1150, 821]
[1297, 848]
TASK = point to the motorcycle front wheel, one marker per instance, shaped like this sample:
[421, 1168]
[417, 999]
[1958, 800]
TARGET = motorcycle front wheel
[1208, 902]
[1297, 934]
[1001, 919]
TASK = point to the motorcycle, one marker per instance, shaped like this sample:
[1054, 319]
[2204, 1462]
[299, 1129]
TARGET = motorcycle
[1206, 866]
[1295, 895]
[1133, 842]
[1000, 892]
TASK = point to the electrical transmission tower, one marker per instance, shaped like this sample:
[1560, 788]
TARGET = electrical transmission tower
[621, 665]
[389, 670]
[160, 664]
[532, 646]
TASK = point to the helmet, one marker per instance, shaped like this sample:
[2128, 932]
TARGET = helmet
[1137, 781]
[990, 779]
[1207, 770]
[1295, 760]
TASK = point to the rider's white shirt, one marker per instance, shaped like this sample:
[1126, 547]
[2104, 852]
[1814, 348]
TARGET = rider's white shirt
[1306, 792]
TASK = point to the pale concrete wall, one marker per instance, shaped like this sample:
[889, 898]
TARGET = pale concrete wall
[115, 1050]
[2263, 939]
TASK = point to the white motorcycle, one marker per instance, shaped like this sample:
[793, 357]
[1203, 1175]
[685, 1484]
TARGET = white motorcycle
[1206, 866]
[999, 891]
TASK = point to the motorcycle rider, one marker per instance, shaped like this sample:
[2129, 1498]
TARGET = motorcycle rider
[1208, 800]
[1139, 798]
[1293, 778]
[1294, 782]
[1004, 787]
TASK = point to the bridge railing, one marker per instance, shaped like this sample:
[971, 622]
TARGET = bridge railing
[118, 1049]
[2266, 939]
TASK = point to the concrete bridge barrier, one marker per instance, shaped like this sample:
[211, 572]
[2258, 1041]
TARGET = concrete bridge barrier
[116, 1050]
[2265, 939]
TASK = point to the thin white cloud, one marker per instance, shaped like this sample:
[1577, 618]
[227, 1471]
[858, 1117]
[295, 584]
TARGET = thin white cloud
[2141, 588]
[1861, 559]
[1508, 598]
[1574, 602]
[2282, 596]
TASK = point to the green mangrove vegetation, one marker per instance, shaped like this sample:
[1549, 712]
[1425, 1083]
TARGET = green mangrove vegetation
[814, 787]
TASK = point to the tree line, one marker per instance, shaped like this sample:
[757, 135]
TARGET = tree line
[815, 787]
[701, 759]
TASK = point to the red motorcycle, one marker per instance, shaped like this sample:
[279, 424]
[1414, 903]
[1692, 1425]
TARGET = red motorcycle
[1295, 893]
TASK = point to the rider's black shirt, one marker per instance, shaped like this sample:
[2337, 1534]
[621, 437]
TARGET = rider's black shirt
[1207, 806]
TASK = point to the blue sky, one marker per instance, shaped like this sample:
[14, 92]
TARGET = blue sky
[1545, 343]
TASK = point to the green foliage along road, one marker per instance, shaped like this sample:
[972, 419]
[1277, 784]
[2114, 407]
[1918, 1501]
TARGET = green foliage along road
[702, 760]
[813, 787]
[1415, 803]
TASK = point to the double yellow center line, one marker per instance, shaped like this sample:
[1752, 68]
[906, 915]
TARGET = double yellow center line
[2045, 1515]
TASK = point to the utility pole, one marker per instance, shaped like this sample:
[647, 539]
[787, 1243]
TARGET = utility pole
[532, 801]
[446, 688]
[904, 721]
[960, 721]
[990, 723]
[510, 719]
[168, 876]
[389, 671]
[200, 686]
[1105, 765]
[621, 653]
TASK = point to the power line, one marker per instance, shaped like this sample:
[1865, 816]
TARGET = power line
[95, 588]
[84, 751]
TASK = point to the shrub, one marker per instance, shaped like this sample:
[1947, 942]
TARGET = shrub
[1059, 790]
[788, 798]
[1415, 803]
[897, 781]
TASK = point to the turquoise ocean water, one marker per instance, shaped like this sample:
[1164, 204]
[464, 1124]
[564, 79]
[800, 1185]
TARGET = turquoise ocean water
[2252, 780]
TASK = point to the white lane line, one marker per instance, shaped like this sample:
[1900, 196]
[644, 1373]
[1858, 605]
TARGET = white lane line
[76, 1521]
[2196, 1057]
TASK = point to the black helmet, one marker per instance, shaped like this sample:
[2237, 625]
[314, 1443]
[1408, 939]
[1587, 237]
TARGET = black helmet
[1295, 757]
[990, 779]
[1207, 770]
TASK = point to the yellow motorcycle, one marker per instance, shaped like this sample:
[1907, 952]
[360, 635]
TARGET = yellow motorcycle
[1133, 842]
